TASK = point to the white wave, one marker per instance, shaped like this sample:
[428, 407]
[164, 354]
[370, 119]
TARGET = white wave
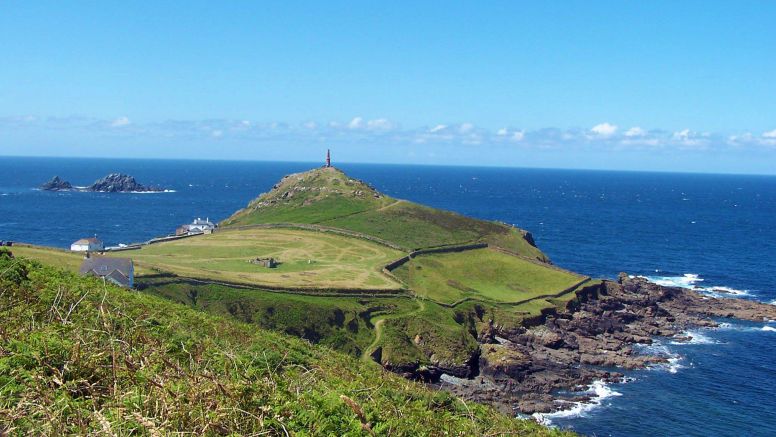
[696, 337]
[768, 328]
[674, 364]
[598, 391]
[691, 281]
[773, 302]
[673, 360]
[688, 280]
[152, 192]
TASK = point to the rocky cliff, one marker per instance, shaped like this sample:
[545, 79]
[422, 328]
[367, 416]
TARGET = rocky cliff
[522, 369]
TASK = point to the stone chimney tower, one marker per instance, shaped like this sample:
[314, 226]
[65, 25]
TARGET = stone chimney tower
[328, 158]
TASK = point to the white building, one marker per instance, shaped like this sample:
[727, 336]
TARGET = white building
[196, 227]
[91, 244]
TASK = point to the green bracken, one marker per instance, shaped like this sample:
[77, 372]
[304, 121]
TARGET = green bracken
[80, 357]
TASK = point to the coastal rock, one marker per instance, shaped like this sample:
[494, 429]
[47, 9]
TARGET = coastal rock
[57, 184]
[120, 183]
[550, 361]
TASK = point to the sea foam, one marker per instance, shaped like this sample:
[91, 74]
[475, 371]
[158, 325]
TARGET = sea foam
[598, 391]
[697, 337]
[692, 281]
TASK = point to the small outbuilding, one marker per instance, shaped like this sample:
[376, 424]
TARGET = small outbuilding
[92, 244]
[269, 263]
[120, 271]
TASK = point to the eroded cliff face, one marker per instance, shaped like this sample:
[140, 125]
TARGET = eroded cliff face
[522, 368]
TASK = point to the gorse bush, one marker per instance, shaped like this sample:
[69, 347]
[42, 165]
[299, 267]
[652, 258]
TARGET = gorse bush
[81, 357]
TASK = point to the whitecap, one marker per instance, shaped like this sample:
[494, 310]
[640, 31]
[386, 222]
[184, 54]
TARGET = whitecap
[688, 280]
[691, 281]
[598, 391]
[153, 192]
[768, 328]
[696, 337]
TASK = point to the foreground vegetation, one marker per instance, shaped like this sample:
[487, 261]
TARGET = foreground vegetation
[77, 357]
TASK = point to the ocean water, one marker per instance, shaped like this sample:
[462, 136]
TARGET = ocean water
[710, 231]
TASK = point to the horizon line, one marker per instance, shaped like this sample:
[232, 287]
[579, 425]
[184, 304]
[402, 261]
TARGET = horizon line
[588, 169]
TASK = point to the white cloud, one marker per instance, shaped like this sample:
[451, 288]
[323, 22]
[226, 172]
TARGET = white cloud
[120, 122]
[382, 131]
[380, 124]
[604, 129]
[466, 127]
[635, 132]
[356, 123]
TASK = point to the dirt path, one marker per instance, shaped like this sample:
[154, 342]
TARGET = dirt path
[378, 323]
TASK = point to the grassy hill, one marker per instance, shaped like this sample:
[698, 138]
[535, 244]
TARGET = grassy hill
[334, 237]
[78, 357]
[328, 197]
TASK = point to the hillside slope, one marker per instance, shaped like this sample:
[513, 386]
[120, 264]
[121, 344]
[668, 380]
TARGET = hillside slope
[328, 197]
[77, 357]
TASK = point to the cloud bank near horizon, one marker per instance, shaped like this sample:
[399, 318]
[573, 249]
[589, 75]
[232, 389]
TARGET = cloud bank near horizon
[383, 132]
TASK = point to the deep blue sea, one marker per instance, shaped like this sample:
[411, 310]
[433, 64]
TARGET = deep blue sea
[686, 229]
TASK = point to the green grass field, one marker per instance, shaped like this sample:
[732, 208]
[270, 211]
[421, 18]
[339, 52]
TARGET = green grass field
[481, 274]
[61, 258]
[308, 259]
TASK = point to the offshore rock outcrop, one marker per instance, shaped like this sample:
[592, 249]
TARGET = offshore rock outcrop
[120, 183]
[113, 183]
[522, 369]
[57, 184]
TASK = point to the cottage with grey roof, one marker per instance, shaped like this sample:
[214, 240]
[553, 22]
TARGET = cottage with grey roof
[120, 271]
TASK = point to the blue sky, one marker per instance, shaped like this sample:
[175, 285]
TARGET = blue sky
[663, 85]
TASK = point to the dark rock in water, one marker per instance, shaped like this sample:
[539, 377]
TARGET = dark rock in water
[56, 184]
[120, 183]
[527, 236]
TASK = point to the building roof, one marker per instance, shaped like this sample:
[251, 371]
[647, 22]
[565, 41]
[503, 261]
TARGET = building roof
[105, 266]
[90, 240]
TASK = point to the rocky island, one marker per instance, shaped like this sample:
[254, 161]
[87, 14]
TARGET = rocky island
[57, 184]
[112, 183]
